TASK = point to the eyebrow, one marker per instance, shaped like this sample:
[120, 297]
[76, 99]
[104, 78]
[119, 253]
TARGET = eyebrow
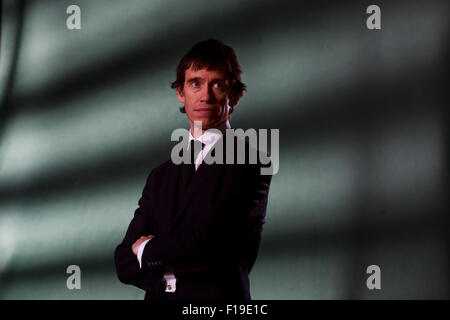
[190, 80]
[193, 79]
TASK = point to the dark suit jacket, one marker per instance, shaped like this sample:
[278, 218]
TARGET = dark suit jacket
[211, 242]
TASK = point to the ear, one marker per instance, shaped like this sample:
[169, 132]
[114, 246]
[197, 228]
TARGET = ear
[180, 94]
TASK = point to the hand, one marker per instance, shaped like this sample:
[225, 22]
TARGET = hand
[135, 246]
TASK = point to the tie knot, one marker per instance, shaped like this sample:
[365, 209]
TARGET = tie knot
[195, 148]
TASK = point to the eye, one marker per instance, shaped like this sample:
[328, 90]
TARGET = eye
[195, 84]
[218, 85]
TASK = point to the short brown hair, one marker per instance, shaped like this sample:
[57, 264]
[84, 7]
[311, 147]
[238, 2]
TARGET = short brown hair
[212, 54]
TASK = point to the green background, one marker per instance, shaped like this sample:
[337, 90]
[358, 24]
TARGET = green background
[363, 179]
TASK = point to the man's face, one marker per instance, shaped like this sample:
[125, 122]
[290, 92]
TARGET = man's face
[206, 97]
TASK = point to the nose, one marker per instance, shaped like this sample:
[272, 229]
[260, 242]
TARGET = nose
[207, 94]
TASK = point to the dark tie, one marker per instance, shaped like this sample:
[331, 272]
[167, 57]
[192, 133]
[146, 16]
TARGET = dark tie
[194, 149]
[186, 172]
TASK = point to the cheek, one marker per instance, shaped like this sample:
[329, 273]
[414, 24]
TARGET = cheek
[222, 99]
[189, 100]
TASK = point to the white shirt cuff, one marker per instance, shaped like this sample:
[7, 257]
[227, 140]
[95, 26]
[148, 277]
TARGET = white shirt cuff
[141, 251]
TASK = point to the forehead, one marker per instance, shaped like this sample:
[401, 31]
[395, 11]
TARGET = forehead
[204, 74]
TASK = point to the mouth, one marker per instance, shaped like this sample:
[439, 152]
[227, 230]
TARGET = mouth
[205, 110]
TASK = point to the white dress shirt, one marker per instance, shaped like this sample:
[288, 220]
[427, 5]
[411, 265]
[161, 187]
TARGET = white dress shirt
[208, 138]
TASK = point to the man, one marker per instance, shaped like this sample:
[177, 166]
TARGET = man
[196, 232]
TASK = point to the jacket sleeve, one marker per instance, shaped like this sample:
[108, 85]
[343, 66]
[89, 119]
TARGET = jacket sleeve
[127, 265]
[231, 232]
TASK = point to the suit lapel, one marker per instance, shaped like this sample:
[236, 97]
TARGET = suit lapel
[203, 171]
[168, 193]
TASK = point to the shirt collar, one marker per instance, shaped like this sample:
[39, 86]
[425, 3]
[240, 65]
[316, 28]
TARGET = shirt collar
[210, 137]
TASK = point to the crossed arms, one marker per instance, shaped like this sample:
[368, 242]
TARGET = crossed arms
[231, 236]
